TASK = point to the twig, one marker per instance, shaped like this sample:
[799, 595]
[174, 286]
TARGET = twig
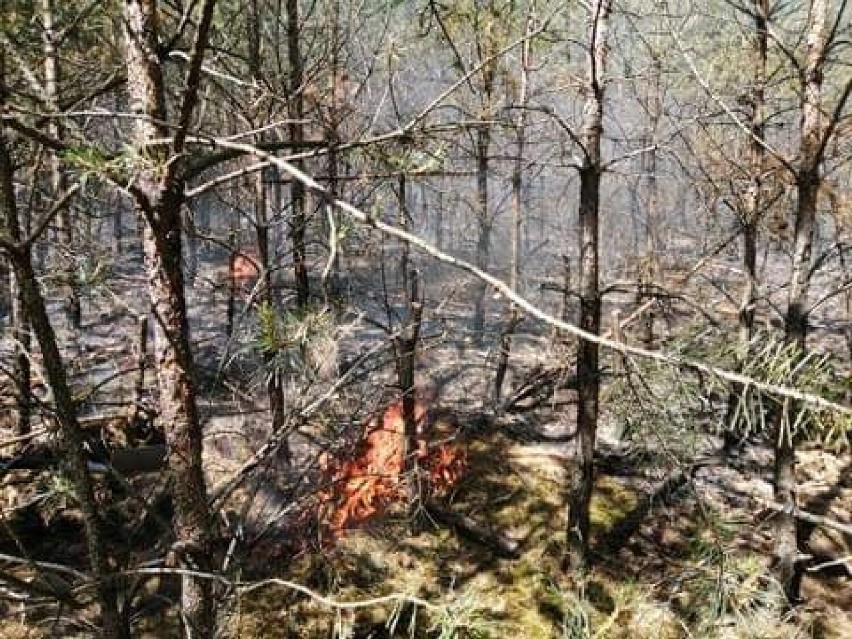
[11, 441]
[243, 588]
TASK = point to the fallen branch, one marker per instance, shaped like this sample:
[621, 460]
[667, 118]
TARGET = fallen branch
[468, 527]
[818, 520]
[539, 388]
[125, 461]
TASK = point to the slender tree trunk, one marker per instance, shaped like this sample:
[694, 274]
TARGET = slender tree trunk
[33, 307]
[483, 243]
[191, 246]
[588, 373]
[234, 242]
[513, 317]
[338, 87]
[439, 221]
[405, 347]
[298, 222]
[788, 569]
[751, 214]
[650, 263]
[117, 230]
[159, 195]
[649, 269]
[274, 381]
[846, 274]
[22, 370]
[65, 230]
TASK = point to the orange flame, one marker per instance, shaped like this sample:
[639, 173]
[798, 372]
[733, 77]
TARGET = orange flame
[244, 269]
[367, 484]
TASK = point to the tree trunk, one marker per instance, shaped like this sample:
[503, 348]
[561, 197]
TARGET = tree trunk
[513, 317]
[65, 231]
[588, 379]
[274, 382]
[405, 351]
[298, 221]
[191, 247]
[788, 570]
[72, 441]
[483, 242]
[22, 371]
[751, 214]
[159, 196]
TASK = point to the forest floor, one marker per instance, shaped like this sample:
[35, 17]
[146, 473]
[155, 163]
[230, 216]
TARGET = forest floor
[680, 546]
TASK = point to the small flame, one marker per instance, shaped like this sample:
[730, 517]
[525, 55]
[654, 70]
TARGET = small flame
[364, 486]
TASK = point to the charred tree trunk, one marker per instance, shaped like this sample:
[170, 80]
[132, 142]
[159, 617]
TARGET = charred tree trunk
[191, 247]
[140, 387]
[332, 283]
[22, 371]
[232, 281]
[405, 351]
[751, 214]
[588, 374]
[483, 242]
[274, 381]
[298, 221]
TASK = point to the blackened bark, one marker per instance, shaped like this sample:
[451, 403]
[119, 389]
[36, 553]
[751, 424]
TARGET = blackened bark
[22, 370]
[274, 382]
[483, 242]
[751, 214]
[588, 374]
[296, 130]
[405, 351]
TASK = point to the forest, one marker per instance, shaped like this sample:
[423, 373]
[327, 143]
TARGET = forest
[426, 318]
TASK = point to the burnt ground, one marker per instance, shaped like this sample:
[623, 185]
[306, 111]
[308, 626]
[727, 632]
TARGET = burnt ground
[680, 548]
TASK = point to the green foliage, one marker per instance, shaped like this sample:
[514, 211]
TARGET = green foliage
[661, 411]
[773, 360]
[297, 341]
[90, 161]
[461, 618]
[667, 414]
